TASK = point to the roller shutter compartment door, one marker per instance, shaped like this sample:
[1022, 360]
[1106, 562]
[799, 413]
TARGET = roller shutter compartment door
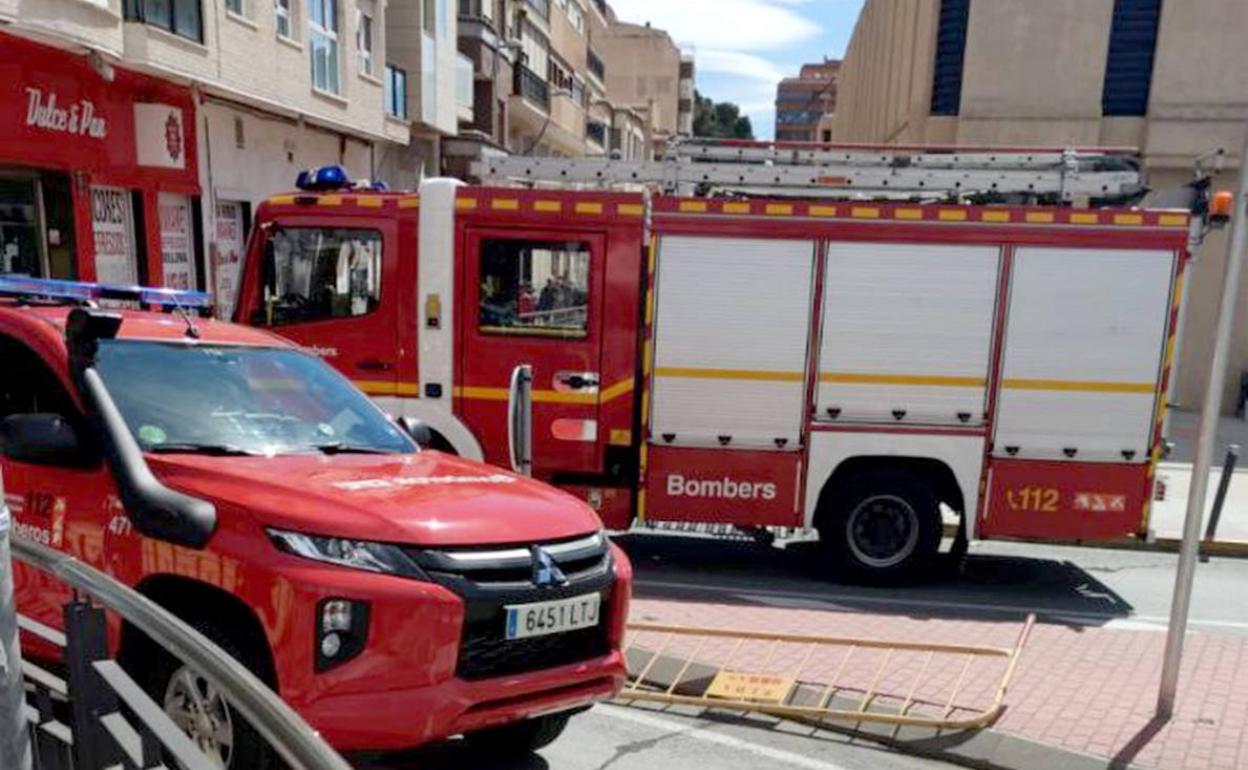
[732, 327]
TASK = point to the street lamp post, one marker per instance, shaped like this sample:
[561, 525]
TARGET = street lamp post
[1180, 605]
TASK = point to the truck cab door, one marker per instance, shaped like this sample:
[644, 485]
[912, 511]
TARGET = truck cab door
[534, 297]
[334, 288]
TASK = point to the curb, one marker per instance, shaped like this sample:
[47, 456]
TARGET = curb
[984, 749]
[1225, 548]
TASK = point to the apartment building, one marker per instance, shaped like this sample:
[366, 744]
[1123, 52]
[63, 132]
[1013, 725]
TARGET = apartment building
[1170, 78]
[139, 135]
[647, 73]
[805, 102]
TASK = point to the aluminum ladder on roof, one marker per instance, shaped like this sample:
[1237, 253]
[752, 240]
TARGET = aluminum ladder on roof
[977, 174]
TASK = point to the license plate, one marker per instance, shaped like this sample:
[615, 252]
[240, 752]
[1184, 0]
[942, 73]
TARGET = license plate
[553, 617]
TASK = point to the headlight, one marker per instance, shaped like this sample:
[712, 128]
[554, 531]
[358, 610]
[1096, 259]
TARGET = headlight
[359, 554]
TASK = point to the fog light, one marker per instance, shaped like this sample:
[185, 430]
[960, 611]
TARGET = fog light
[331, 645]
[341, 631]
[336, 616]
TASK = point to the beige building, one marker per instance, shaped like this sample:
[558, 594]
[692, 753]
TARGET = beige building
[1169, 78]
[644, 73]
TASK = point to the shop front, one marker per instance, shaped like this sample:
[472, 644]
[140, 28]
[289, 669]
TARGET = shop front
[98, 176]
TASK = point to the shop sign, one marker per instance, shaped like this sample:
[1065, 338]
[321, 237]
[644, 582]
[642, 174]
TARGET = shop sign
[159, 135]
[112, 222]
[80, 118]
[175, 241]
[227, 256]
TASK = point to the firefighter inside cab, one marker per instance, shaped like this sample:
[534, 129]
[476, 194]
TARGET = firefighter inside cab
[391, 594]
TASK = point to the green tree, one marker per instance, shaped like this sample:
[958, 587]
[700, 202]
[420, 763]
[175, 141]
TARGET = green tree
[719, 120]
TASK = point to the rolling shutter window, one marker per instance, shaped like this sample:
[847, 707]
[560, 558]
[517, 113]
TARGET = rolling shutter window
[950, 47]
[1129, 64]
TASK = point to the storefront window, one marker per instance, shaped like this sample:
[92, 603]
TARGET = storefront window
[112, 221]
[534, 288]
[36, 224]
[313, 273]
[175, 241]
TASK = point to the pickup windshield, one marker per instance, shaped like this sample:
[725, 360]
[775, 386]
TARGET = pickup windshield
[227, 400]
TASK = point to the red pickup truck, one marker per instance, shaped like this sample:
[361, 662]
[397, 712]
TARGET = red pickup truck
[392, 595]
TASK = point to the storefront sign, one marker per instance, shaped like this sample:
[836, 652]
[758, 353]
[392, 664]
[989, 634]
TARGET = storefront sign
[112, 220]
[78, 118]
[227, 256]
[175, 241]
[159, 137]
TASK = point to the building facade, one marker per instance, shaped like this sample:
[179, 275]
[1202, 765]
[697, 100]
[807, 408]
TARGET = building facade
[805, 102]
[1169, 78]
[185, 114]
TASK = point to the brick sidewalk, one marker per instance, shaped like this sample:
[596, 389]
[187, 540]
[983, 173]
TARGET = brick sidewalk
[1082, 689]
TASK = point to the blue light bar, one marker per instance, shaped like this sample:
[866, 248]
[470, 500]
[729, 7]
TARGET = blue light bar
[23, 286]
[323, 178]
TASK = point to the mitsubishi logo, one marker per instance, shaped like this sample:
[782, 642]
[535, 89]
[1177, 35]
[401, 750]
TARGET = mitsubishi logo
[546, 574]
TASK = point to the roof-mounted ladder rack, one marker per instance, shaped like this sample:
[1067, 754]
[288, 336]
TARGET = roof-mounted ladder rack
[1082, 176]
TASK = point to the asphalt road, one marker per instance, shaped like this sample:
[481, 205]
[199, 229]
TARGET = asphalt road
[612, 737]
[1095, 587]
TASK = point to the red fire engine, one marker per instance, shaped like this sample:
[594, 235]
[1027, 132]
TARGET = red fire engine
[889, 333]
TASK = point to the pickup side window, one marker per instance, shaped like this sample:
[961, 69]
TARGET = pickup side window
[30, 385]
[316, 273]
[538, 288]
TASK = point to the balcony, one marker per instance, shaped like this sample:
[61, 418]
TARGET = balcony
[532, 87]
[597, 68]
[463, 88]
[477, 10]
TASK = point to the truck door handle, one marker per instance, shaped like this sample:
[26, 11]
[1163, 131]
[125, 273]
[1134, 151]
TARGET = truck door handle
[373, 365]
[569, 381]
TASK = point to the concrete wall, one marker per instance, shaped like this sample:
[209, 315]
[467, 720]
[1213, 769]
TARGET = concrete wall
[1034, 73]
[86, 23]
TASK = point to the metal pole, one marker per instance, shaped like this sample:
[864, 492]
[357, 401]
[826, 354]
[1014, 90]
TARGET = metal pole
[1219, 497]
[1180, 604]
[14, 738]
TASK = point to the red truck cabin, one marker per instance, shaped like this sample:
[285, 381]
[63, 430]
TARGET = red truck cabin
[844, 366]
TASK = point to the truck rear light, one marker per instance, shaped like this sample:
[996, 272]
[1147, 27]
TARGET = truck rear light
[341, 631]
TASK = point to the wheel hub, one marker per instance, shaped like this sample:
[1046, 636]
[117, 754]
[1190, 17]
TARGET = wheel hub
[882, 531]
[199, 709]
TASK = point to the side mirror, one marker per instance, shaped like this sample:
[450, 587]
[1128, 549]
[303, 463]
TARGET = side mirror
[40, 439]
[418, 430]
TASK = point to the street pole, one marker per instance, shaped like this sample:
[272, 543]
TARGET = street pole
[14, 737]
[1180, 604]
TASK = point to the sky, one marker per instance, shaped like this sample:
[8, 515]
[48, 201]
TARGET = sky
[744, 47]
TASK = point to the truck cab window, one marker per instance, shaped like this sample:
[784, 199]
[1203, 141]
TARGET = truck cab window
[536, 288]
[315, 273]
[29, 386]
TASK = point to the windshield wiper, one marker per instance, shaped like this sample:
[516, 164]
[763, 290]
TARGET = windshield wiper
[340, 448]
[215, 450]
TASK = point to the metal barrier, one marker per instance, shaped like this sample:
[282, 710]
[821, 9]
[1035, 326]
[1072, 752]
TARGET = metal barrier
[799, 676]
[96, 716]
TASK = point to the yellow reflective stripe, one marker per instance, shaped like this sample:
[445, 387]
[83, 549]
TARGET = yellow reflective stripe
[282, 200]
[505, 204]
[630, 209]
[1172, 220]
[1084, 386]
[329, 200]
[727, 374]
[387, 387]
[547, 396]
[937, 380]
[588, 207]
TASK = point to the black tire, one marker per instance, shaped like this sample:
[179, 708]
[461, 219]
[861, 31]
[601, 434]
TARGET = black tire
[520, 738]
[882, 526]
[248, 751]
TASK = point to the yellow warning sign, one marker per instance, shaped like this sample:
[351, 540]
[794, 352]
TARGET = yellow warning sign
[740, 685]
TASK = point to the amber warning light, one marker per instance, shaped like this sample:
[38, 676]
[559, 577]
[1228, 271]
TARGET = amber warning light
[1220, 208]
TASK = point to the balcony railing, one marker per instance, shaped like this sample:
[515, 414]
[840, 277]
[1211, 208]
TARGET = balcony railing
[532, 86]
[597, 68]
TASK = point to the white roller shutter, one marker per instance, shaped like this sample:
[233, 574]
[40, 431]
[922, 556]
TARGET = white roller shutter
[1083, 347]
[731, 337]
[907, 333]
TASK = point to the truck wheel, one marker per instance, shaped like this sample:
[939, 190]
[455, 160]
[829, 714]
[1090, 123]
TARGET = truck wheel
[883, 525]
[522, 737]
[200, 710]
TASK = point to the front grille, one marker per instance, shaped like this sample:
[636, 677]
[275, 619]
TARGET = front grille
[490, 579]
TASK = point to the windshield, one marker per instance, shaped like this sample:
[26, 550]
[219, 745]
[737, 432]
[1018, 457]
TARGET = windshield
[240, 400]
